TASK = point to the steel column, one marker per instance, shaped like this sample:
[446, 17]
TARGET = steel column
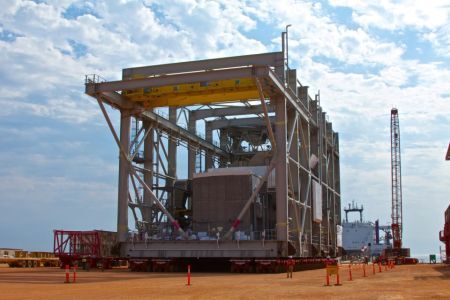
[172, 150]
[191, 150]
[148, 176]
[281, 173]
[122, 215]
[209, 138]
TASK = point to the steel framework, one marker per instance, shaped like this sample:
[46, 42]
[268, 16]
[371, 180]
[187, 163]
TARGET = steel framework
[252, 111]
[76, 243]
[396, 176]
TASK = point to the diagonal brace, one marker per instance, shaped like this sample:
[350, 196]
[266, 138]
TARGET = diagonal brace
[133, 172]
[272, 164]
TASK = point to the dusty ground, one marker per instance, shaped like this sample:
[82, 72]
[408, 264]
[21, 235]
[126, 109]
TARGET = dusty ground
[404, 282]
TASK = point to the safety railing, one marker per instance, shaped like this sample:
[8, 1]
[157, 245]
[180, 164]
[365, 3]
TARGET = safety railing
[93, 78]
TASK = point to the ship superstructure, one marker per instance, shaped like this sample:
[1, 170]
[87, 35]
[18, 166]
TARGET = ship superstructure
[361, 238]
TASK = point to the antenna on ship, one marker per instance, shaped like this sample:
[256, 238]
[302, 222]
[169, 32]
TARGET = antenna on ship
[354, 208]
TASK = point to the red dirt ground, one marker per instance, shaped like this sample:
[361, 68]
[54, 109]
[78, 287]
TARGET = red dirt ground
[403, 282]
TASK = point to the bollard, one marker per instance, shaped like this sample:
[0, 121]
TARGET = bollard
[364, 271]
[330, 270]
[373, 268]
[337, 279]
[386, 267]
[67, 274]
[74, 274]
[379, 267]
[350, 272]
[189, 275]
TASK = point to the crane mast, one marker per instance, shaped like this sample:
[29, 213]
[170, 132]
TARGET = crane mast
[396, 176]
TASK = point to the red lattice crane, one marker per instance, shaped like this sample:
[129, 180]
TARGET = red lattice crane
[396, 176]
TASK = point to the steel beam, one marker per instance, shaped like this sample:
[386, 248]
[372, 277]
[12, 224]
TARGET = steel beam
[271, 59]
[112, 98]
[191, 149]
[218, 124]
[229, 111]
[148, 176]
[272, 81]
[132, 84]
[290, 96]
[182, 133]
[172, 150]
[209, 163]
[281, 173]
[122, 214]
[266, 115]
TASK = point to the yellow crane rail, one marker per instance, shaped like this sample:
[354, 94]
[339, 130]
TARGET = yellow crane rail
[205, 92]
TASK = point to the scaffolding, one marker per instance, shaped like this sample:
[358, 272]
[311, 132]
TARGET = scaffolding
[248, 115]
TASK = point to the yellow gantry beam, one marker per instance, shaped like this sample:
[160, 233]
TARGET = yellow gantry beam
[206, 92]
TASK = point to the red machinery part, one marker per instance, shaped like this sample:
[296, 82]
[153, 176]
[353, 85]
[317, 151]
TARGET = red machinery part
[444, 236]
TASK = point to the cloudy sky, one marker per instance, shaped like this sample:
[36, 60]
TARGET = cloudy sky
[58, 161]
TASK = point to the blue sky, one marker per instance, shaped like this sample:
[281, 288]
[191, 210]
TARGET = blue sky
[58, 161]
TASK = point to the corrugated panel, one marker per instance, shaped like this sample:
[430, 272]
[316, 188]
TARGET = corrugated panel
[217, 200]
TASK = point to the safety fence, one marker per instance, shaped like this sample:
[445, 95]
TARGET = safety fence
[350, 271]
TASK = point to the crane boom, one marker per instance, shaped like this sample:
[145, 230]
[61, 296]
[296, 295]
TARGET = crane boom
[396, 176]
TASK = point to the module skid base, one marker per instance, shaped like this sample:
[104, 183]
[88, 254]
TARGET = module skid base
[199, 249]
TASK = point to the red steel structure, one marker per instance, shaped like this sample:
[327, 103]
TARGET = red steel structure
[70, 246]
[444, 235]
[396, 176]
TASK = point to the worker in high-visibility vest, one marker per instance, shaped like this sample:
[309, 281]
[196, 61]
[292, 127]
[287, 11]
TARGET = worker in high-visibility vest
[290, 267]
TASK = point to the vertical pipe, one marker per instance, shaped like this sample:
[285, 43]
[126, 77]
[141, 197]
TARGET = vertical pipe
[122, 215]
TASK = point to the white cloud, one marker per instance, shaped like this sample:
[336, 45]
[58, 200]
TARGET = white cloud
[440, 38]
[397, 14]
[42, 62]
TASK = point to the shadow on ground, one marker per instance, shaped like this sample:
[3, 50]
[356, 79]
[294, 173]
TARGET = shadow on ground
[443, 273]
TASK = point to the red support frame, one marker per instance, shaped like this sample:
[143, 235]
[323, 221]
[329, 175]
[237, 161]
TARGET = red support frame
[76, 244]
[444, 235]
